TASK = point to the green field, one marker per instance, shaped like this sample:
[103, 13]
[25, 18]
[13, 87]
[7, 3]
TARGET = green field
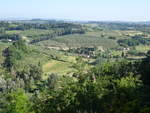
[142, 48]
[83, 40]
[58, 67]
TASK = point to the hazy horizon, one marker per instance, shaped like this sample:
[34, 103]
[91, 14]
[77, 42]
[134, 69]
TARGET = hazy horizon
[77, 10]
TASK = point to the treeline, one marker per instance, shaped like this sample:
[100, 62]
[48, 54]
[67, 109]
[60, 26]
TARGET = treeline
[45, 26]
[122, 26]
[134, 41]
[12, 37]
[59, 32]
[58, 28]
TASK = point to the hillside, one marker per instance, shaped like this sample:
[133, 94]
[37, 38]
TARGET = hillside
[74, 67]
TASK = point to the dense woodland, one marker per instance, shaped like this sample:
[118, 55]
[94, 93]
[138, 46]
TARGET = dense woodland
[45, 77]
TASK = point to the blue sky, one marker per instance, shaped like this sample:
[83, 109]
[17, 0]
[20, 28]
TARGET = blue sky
[101, 10]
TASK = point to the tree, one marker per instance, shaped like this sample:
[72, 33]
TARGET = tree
[31, 75]
[18, 102]
[106, 95]
[15, 53]
[144, 69]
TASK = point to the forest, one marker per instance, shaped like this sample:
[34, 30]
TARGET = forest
[49, 66]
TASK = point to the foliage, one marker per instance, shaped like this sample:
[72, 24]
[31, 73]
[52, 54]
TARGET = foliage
[118, 69]
[144, 69]
[18, 102]
[15, 53]
[12, 37]
[106, 95]
[134, 41]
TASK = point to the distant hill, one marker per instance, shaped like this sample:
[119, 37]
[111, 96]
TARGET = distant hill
[145, 23]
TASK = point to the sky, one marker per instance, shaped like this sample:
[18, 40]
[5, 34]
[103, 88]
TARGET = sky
[96, 10]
